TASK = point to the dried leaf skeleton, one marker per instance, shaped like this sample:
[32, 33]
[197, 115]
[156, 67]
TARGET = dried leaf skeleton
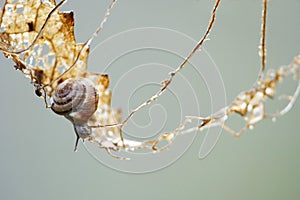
[61, 77]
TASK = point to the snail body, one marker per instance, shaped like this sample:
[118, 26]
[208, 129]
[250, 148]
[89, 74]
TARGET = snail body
[77, 100]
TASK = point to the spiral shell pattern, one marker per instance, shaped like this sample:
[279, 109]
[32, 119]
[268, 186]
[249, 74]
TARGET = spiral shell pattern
[76, 99]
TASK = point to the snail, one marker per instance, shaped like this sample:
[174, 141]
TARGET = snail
[77, 100]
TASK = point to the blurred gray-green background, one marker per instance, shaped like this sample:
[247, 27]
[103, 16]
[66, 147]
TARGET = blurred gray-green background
[36, 150]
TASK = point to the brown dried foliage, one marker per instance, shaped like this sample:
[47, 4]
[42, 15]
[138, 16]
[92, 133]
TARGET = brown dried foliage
[27, 29]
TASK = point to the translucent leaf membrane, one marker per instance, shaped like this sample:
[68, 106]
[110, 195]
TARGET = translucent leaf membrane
[50, 39]
[40, 40]
[250, 105]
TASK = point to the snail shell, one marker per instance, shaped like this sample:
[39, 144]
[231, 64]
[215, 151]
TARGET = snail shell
[76, 99]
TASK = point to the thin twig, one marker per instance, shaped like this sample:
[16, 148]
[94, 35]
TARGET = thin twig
[262, 50]
[167, 82]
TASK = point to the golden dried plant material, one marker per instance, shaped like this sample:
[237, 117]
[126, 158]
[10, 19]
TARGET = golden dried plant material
[62, 69]
[250, 105]
[166, 137]
[40, 40]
